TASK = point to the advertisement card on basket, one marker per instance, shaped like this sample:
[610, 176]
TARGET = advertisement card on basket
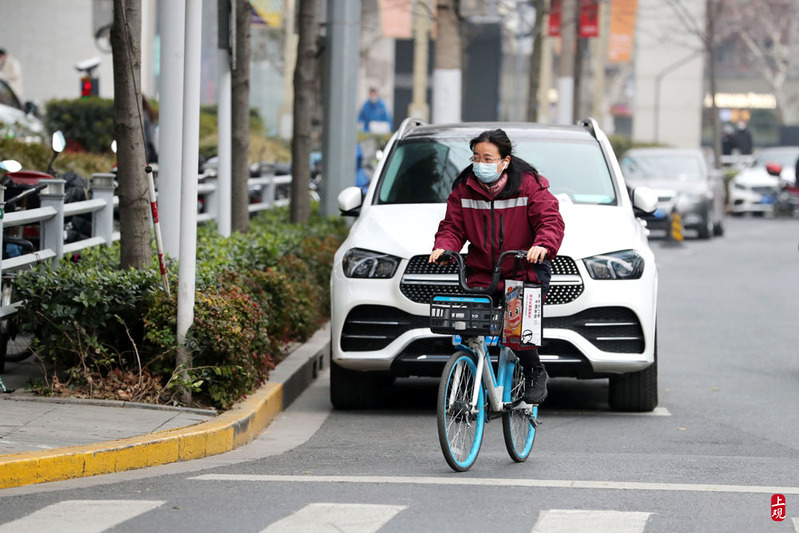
[523, 324]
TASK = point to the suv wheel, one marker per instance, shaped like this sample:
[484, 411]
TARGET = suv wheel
[720, 227]
[636, 391]
[706, 228]
[350, 389]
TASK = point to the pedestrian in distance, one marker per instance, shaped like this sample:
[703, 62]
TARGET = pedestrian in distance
[743, 139]
[498, 203]
[374, 116]
[728, 142]
[11, 71]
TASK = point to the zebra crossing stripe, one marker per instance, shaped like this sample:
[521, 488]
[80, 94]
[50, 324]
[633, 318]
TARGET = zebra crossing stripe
[500, 482]
[579, 521]
[336, 517]
[81, 516]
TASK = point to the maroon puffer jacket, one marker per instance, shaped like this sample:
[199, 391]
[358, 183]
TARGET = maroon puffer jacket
[531, 217]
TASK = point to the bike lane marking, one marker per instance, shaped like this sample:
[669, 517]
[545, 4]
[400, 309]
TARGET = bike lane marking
[498, 482]
[359, 518]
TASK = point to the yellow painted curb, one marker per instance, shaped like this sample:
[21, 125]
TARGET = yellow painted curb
[229, 430]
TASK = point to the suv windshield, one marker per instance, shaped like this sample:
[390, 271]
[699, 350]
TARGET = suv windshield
[422, 171]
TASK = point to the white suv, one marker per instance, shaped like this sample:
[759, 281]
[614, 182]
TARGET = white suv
[601, 312]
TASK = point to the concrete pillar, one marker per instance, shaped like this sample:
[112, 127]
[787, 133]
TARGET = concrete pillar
[340, 119]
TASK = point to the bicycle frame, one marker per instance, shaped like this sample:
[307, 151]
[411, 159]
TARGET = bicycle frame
[495, 385]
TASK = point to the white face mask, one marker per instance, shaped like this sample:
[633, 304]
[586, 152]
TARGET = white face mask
[487, 172]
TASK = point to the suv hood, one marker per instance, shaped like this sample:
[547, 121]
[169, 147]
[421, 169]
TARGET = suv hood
[756, 177]
[409, 229]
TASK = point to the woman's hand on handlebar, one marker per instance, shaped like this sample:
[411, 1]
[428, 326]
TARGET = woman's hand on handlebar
[435, 255]
[536, 254]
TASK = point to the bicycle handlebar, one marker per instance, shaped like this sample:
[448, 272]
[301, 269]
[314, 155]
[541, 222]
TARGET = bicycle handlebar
[518, 254]
[27, 192]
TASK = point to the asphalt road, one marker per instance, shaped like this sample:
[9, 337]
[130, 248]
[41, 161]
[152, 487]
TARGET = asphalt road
[723, 440]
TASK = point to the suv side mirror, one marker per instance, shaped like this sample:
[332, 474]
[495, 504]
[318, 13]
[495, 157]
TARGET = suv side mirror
[644, 199]
[30, 108]
[350, 201]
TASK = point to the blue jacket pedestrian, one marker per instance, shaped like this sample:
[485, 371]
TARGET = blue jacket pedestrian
[375, 110]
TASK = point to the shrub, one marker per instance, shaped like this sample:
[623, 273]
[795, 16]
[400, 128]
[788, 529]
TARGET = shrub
[36, 156]
[85, 317]
[253, 293]
[87, 123]
[233, 351]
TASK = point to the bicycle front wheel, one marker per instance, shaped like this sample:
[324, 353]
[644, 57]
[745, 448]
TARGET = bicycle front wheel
[460, 430]
[517, 425]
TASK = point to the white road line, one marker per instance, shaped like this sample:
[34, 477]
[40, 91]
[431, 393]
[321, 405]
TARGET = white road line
[795, 524]
[496, 482]
[578, 521]
[336, 517]
[81, 516]
[658, 411]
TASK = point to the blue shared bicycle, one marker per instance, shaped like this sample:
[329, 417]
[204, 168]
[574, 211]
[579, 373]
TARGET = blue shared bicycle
[470, 392]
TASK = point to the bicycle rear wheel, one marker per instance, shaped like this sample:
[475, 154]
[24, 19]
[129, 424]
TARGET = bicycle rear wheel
[517, 425]
[460, 431]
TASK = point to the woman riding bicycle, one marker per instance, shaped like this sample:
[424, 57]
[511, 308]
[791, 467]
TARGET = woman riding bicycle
[498, 203]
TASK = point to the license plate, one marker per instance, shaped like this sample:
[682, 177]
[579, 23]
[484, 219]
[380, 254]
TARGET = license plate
[768, 199]
[659, 213]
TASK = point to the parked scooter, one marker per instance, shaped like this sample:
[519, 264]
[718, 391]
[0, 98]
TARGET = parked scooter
[13, 347]
[26, 185]
[788, 198]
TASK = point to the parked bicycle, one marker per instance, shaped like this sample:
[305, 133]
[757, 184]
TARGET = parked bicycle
[470, 392]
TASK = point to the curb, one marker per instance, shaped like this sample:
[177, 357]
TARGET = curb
[231, 429]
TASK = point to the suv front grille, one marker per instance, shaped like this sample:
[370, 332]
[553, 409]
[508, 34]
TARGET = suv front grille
[422, 280]
[765, 190]
[373, 327]
[611, 329]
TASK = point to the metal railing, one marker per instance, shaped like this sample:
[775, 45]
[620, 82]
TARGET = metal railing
[50, 217]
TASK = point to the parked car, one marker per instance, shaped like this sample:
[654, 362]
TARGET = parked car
[17, 119]
[685, 185]
[753, 190]
[601, 312]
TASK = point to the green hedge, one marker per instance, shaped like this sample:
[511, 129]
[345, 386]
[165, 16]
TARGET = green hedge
[112, 334]
[87, 123]
[36, 156]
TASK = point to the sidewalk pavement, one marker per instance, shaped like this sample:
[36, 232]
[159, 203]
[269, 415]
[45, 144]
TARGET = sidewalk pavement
[51, 439]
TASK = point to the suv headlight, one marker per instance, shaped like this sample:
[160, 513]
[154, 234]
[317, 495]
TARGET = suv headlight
[360, 263]
[627, 264]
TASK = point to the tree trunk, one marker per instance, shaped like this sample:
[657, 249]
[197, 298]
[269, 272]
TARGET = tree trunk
[134, 222]
[535, 61]
[240, 120]
[712, 12]
[305, 80]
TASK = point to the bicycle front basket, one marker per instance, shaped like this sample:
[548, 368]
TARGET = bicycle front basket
[464, 314]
